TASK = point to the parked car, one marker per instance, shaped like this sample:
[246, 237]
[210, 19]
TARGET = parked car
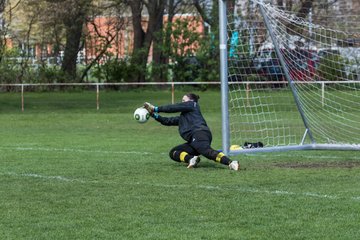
[301, 64]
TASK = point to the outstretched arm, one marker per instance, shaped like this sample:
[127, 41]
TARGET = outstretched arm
[172, 108]
[167, 121]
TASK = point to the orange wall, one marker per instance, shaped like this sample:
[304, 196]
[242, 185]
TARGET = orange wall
[104, 30]
[122, 44]
[120, 33]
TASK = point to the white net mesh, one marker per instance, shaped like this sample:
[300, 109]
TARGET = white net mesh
[321, 62]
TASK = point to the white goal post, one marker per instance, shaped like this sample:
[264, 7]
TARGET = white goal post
[275, 65]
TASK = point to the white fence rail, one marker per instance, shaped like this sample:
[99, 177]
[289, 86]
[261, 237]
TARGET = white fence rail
[97, 85]
[247, 84]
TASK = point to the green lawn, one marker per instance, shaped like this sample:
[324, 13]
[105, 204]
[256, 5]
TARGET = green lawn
[69, 171]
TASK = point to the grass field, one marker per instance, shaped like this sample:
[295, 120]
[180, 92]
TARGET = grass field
[68, 171]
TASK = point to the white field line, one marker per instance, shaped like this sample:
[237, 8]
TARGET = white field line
[72, 150]
[149, 153]
[35, 175]
[61, 178]
[206, 187]
[253, 190]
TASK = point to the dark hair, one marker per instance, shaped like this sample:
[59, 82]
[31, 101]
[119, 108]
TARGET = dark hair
[193, 97]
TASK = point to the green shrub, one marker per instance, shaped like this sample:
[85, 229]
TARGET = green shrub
[115, 70]
[332, 68]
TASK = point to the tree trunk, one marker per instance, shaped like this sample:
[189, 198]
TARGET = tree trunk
[2, 46]
[302, 13]
[139, 35]
[157, 39]
[166, 41]
[74, 23]
[305, 8]
[73, 36]
[143, 39]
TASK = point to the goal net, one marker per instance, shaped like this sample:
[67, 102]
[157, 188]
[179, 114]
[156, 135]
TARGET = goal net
[293, 76]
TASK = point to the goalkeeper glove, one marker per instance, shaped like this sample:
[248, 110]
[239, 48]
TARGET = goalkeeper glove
[151, 108]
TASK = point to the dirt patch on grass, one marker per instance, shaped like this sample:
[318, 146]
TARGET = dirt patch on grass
[342, 164]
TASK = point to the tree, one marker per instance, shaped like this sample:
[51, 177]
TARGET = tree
[144, 37]
[162, 43]
[52, 22]
[27, 14]
[204, 9]
[74, 20]
[103, 35]
[2, 35]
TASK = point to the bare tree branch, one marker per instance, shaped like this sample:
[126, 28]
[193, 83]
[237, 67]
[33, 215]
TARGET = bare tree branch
[202, 12]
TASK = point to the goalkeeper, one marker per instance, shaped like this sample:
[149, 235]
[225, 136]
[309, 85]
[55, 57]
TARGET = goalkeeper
[193, 129]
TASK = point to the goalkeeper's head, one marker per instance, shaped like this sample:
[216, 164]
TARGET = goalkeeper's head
[190, 97]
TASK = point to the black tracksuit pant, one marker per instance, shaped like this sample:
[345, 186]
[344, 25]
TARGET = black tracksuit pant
[199, 144]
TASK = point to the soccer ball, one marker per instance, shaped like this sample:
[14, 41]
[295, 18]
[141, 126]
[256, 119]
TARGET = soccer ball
[141, 115]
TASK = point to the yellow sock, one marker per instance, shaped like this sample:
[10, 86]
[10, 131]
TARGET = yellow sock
[182, 156]
[219, 156]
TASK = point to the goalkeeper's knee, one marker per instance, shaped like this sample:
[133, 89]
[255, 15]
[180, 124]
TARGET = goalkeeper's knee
[175, 155]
